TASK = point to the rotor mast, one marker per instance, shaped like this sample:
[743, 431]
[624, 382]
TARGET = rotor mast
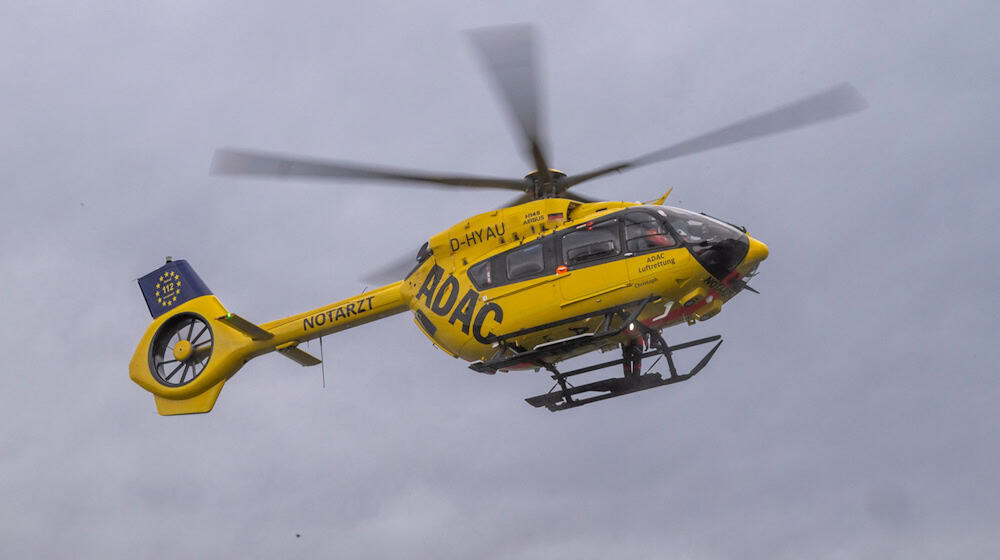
[544, 184]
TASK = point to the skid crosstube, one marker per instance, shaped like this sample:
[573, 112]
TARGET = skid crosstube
[556, 400]
[539, 355]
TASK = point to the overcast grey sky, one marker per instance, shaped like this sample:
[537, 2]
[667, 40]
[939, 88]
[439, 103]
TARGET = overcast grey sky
[849, 414]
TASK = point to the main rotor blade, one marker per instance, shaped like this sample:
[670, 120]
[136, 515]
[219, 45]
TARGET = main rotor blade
[527, 197]
[508, 52]
[835, 102]
[392, 271]
[239, 162]
[580, 198]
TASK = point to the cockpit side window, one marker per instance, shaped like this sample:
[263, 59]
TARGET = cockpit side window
[644, 232]
[530, 260]
[591, 243]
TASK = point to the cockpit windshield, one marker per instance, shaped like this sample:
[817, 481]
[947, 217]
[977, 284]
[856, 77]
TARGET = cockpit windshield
[718, 246]
[698, 228]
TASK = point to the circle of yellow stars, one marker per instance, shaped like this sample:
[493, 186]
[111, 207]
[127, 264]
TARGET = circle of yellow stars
[168, 287]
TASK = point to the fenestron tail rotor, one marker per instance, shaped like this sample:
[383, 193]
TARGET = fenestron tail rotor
[180, 350]
[509, 58]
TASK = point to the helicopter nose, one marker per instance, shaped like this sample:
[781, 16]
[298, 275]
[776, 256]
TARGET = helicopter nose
[757, 252]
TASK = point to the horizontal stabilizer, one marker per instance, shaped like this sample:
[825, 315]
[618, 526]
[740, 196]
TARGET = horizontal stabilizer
[246, 327]
[301, 357]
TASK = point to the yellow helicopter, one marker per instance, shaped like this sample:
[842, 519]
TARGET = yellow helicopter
[551, 276]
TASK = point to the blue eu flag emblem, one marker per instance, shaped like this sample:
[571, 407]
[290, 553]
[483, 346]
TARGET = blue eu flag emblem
[171, 285]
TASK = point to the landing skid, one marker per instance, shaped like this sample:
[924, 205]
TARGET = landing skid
[625, 317]
[563, 398]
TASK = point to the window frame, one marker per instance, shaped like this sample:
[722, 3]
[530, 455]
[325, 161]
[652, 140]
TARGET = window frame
[664, 225]
[604, 220]
[498, 264]
[522, 249]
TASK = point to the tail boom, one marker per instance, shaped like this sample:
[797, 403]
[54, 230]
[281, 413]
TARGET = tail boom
[345, 314]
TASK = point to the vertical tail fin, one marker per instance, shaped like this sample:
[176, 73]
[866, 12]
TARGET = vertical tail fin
[171, 286]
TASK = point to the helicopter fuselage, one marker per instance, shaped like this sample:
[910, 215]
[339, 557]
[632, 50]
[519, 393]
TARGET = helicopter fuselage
[549, 260]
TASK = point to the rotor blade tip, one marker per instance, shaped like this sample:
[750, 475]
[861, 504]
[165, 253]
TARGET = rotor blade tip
[851, 99]
[219, 164]
[229, 162]
[508, 31]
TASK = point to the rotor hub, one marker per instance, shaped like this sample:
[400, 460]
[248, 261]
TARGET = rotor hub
[543, 187]
[536, 176]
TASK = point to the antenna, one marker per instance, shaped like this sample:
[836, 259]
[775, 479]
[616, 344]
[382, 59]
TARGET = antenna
[322, 362]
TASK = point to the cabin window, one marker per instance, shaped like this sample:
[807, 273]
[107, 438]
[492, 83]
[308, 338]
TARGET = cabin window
[591, 243]
[530, 260]
[481, 275]
[525, 262]
[643, 232]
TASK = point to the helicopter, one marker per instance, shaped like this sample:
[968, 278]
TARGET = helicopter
[551, 276]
